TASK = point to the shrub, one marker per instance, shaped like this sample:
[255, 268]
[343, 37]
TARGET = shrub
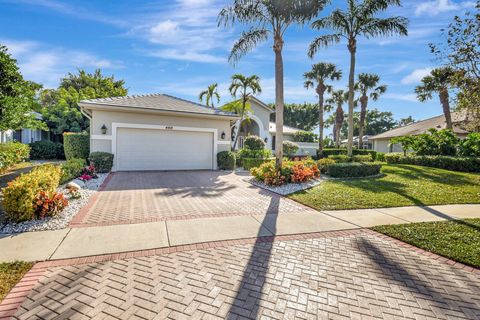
[290, 148]
[340, 158]
[254, 143]
[463, 164]
[249, 163]
[103, 161]
[48, 205]
[362, 158]
[291, 171]
[257, 154]
[353, 170]
[324, 163]
[20, 194]
[327, 152]
[436, 142]
[12, 153]
[380, 156]
[76, 145]
[470, 146]
[304, 136]
[71, 169]
[226, 160]
[330, 151]
[41, 150]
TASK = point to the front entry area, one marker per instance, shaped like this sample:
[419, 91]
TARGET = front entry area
[155, 149]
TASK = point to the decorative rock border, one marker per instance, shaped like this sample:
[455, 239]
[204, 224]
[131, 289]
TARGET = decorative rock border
[287, 188]
[62, 220]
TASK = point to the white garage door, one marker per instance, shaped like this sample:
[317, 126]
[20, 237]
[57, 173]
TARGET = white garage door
[154, 149]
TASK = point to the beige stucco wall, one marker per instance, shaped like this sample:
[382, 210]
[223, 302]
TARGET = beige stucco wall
[101, 142]
[383, 145]
[262, 113]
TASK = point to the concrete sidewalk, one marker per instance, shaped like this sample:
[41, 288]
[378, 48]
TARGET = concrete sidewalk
[81, 242]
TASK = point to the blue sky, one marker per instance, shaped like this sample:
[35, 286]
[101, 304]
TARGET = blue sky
[175, 47]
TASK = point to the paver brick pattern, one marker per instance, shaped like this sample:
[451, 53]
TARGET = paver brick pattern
[359, 276]
[137, 196]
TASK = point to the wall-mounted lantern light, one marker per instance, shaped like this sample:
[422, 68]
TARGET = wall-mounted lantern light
[266, 140]
[223, 135]
[104, 129]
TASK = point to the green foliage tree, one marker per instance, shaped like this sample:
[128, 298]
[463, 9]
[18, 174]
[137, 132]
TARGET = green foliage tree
[18, 97]
[405, 121]
[209, 95]
[367, 86]
[268, 18]
[243, 87]
[319, 74]
[376, 122]
[303, 116]
[436, 142]
[461, 52]
[360, 19]
[439, 81]
[407, 143]
[60, 106]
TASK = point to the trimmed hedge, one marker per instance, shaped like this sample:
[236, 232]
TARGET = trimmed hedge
[324, 163]
[254, 143]
[249, 163]
[353, 169]
[71, 169]
[362, 158]
[340, 158]
[331, 151]
[46, 149]
[226, 160]
[102, 161]
[76, 145]
[463, 164]
[380, 156]
[12, 153]
[19, 195]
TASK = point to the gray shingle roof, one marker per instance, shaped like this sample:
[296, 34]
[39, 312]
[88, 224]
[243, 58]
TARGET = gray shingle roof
[163, 102]
[420, 127]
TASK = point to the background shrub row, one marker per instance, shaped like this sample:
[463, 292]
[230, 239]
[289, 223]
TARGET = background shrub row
[226, 160]
[42, 150]
[12, 153]
[353, 169]
[464, 164]
[330, 151]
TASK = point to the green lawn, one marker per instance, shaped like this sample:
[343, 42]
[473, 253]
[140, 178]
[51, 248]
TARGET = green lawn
[457, 240]
[10, 274]
[402, 185]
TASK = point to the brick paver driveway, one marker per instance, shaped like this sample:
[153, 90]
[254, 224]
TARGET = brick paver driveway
[359, 275]
[155, 195]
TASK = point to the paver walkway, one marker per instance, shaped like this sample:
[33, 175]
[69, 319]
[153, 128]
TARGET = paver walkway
[355, 275]
[133, 197]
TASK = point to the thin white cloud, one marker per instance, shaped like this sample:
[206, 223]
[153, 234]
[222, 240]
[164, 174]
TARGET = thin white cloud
[45, 64]
[436, 7]
[174, 54]
[410, 97]
[416, 76]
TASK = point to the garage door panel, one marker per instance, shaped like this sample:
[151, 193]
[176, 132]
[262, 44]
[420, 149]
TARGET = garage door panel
[152, 149]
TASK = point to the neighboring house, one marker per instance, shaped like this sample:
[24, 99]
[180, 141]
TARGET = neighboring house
[381, 142]
[25, 135]
[367, 142]
[258, 123]
[158, 132]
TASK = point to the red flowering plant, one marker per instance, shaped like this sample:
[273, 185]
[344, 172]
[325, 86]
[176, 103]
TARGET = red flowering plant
[291, 171]
[90, 171]
[48, 205]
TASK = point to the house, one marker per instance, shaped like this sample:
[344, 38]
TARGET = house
[381, 142]
[257, 124]
[162, 132]
[25, 135]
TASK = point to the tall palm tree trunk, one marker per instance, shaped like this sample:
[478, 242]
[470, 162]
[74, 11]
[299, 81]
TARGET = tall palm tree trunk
[361, 125]
[277, 48]
[321, 123]
[446, 107]
[351, 84]
[339, 117]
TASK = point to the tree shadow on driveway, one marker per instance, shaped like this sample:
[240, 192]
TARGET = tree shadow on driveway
[249, 294]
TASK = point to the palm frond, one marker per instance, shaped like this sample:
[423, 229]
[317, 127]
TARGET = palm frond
[323, 41]
[248, 41]
[370, 7]
[385, 27]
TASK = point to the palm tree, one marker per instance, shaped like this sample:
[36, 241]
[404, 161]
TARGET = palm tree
[368, 86]
[320, 73]
[438, 81]
[209, 95]
[247, 86]
[268, 18]
[358, 20]
[337, 99]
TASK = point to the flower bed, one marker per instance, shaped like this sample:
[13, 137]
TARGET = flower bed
[287, 188]
[291, 172]
[63, 218]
